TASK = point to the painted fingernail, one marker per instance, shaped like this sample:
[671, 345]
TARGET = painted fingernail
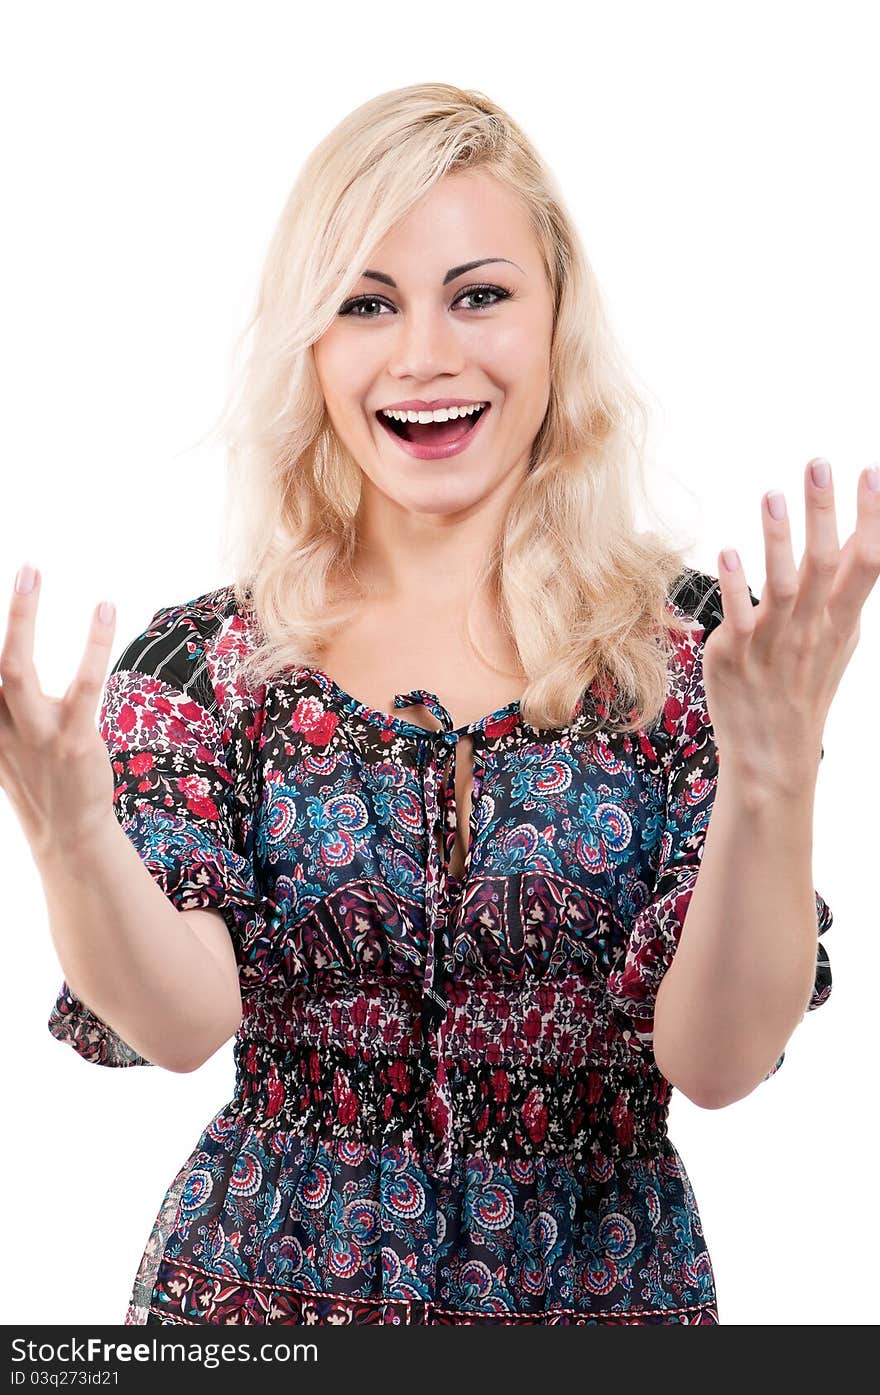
[874, 479]
[106, 612]
[731, 559]
[821, 472]
[24, 582]
[776, 503]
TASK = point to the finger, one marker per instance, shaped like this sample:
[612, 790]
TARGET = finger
[821, 557]
[781, 584]
[87, 684]
[21, 689]
[859, 558]
[736, 602]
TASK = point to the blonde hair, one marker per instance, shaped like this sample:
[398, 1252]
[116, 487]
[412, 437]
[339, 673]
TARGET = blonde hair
[582, 595]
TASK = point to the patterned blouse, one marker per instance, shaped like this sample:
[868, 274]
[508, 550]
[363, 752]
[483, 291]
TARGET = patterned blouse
[446, 1107]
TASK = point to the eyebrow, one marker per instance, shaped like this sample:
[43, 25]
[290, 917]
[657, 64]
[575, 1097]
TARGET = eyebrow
[452, 273]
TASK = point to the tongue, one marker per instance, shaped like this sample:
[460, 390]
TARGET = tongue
[439, 433]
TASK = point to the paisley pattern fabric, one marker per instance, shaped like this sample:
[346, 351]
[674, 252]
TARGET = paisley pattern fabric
[446, 1107]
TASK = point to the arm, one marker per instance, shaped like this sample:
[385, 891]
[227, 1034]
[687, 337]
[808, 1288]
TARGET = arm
[738, 985]
[744, 968]
[165, 980]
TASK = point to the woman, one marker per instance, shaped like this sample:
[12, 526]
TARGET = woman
[437, 917]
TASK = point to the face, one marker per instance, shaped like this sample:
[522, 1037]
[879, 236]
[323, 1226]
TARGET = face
[480, 335]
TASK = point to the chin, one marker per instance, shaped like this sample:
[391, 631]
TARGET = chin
[452, 497]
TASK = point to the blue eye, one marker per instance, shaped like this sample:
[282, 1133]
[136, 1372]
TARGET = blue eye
[355, 305]
[497, 291]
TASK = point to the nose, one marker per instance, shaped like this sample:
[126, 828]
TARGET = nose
[425, 346]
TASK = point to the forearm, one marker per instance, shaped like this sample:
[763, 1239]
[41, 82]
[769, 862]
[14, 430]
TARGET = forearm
[743, 971]
[130, 956]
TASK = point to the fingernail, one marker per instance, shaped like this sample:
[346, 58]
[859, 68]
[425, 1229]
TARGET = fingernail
[776, 503]
[821, 472]
[874, 479]
[731, 559]
[106, 612]
[24, 582]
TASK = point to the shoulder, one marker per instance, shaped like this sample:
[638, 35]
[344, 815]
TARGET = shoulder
[697, 596]
[176, 647]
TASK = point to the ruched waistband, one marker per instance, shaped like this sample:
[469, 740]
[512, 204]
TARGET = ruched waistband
[513, 1110]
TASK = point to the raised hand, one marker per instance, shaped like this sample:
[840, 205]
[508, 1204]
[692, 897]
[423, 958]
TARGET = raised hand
[772, 670]
[54, 765]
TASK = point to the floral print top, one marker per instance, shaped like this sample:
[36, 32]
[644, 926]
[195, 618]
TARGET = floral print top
[446, 1107]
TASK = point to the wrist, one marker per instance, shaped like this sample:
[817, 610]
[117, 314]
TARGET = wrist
[763, 788]
[78, 846]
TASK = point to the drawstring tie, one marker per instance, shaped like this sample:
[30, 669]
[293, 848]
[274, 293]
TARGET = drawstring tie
[440, 812]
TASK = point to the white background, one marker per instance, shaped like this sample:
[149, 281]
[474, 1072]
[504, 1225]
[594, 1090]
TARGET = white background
[721, 162]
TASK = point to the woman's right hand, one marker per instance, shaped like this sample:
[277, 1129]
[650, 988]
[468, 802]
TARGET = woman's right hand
[54, 765]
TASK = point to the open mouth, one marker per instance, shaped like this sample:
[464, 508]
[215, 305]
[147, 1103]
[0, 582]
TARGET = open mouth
[432, 433]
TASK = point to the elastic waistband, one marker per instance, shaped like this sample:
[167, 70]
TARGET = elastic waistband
[515, 1109]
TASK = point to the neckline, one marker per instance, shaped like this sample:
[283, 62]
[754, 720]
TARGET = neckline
[401, 725]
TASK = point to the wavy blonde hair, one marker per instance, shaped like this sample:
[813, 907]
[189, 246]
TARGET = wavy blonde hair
[581, 593]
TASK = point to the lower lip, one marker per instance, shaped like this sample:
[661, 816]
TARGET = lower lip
[425, 452]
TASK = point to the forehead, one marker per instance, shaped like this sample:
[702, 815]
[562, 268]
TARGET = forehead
[465, 216]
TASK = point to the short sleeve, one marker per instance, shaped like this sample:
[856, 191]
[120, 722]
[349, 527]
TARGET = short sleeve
[691, 779]
[181, 801]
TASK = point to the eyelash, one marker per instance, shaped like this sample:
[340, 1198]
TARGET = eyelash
[498, 291]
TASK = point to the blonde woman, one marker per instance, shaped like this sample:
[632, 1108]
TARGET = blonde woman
[416, 807]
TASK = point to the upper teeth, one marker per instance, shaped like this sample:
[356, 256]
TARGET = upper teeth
[441, 414]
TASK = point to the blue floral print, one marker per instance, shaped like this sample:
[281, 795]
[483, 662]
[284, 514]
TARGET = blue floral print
[446, 1107]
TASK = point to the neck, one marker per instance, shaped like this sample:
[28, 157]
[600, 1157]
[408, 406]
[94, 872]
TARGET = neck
[426, 560]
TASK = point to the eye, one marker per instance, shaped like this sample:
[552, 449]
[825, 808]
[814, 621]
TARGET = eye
[497, 291]
[351, 306]
[357, 307]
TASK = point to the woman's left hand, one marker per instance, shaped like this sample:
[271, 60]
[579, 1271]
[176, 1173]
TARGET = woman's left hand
[772, 670]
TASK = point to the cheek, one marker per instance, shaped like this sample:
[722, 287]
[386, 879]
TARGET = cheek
[515, 357]
[340, 372]
[532, 356]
